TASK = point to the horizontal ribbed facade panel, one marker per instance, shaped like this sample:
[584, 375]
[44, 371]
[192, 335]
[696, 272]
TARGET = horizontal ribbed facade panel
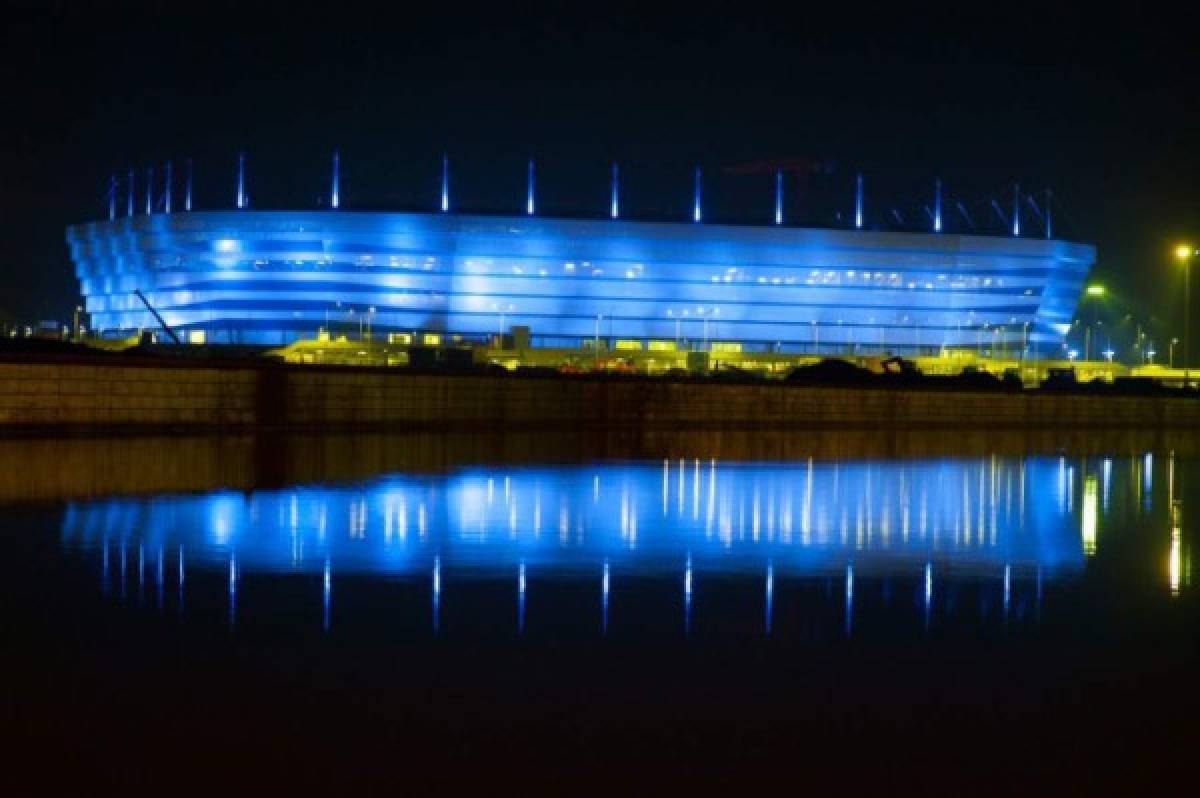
[271, 277]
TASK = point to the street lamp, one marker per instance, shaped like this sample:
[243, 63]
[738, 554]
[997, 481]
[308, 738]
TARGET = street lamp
[704, 313]
[1095, 291]
[671, 314]
[1171, 353]
[503, 310]
[1185, 253]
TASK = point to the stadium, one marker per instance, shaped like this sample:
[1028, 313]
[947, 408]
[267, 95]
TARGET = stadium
[273, 277]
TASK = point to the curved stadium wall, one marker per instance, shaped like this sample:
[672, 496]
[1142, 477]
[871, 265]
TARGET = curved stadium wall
[266, 277]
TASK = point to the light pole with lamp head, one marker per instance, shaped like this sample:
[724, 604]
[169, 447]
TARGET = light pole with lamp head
[503, 310]
[1185, 252]
[671, 315]
[1094, 291]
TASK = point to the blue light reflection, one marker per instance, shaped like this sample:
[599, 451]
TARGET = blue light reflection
[806, 517]
[1001, 518]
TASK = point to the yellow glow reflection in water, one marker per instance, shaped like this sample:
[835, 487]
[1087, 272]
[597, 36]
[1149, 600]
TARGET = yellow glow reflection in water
[1175, 558]
[1089, 515]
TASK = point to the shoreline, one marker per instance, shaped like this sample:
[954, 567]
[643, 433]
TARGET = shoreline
[103, 395]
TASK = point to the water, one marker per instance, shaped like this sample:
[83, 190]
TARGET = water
[550, 607]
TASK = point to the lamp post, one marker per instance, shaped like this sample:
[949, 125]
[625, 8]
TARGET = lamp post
[704, 314]
[1095, 291]
[671, 315]
[1171, 353]
[1185, 252]
[503, 310]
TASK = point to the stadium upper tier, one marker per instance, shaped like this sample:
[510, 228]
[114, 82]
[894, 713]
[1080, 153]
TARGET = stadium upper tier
[266, 277]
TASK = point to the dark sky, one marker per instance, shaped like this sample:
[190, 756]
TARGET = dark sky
[1103, 109]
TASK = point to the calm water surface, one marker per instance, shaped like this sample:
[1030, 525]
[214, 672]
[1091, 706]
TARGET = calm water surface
[997, 616]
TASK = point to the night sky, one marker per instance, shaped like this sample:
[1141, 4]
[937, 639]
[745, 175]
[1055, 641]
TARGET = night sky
[1105, 112]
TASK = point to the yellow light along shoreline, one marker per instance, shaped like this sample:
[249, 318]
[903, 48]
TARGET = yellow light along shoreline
[65, 394]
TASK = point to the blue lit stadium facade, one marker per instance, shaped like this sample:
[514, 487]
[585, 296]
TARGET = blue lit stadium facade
[270, 277]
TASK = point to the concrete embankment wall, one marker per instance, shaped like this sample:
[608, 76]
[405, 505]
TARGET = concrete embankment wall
[183, 394]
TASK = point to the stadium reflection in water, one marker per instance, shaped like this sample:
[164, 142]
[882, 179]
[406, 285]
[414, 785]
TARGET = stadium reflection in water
[1012, 523]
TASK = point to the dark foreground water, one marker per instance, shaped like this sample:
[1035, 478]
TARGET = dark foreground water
[950, 615]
